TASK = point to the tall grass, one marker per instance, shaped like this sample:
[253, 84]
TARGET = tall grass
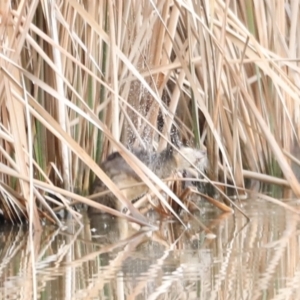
[81, 79]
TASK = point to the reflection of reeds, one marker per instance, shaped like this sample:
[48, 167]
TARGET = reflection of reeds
[79, 81]
[247, 260]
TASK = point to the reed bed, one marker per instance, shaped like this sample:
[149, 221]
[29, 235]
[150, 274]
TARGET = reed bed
[80, 79]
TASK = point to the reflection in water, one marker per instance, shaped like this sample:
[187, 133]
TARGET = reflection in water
[255, 260]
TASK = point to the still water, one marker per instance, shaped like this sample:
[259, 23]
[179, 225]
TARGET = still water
[259, 259]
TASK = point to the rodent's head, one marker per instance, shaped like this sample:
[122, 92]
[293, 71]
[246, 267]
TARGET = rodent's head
[190, 156]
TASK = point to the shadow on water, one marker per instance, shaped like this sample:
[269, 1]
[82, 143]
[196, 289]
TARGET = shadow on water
[115, 260]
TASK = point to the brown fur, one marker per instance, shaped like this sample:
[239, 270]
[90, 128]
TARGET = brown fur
[163, 164]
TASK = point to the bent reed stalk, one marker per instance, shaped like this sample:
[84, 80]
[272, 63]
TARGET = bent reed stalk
[81, 81]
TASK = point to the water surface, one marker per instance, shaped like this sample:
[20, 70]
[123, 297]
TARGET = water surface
[247, 260]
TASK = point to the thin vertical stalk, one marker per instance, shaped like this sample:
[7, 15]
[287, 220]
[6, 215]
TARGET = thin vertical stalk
[62, 112]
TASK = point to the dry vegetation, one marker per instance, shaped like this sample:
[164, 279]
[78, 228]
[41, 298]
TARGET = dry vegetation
[80, 79]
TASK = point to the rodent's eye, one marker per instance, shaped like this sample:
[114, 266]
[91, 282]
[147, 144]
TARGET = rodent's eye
[124, 210]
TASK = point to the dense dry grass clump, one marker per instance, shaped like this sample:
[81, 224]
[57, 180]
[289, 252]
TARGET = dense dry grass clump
[82, 79]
